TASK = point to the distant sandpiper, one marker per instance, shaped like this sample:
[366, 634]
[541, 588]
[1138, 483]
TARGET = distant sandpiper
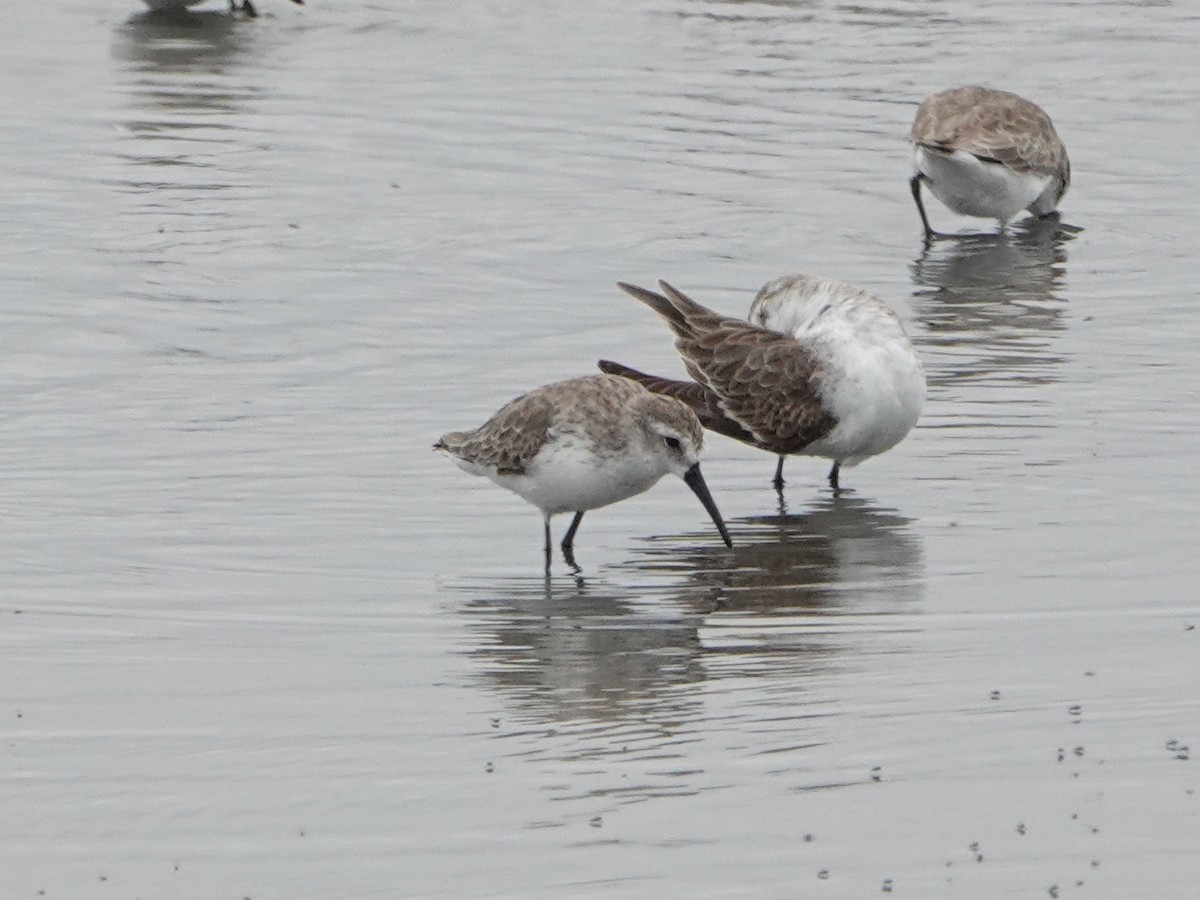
[822, 368]
[164, 6]
[987, 153]
[584, 443]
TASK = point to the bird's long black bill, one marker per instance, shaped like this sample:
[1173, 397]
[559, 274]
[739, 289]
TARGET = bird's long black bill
[695, 481]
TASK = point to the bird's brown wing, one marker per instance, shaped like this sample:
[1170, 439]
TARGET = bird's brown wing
[508, 440]
[996, 126]
[764, 381]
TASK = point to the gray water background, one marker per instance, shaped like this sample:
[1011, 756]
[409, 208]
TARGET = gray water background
[257, 641]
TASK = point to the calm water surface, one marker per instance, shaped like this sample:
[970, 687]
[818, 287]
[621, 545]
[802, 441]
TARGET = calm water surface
[257, 641]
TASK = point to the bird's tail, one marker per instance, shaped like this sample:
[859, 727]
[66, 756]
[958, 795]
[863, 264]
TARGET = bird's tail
[688, 391]
[656, 302]
[449, 442]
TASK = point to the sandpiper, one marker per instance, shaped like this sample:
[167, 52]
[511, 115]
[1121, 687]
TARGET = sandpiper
[581, 444]
[167, 6]
[823, 368]
[987, 153]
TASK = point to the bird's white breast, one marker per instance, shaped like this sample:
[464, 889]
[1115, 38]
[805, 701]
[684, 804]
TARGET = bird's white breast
[972, 187]
[875, 392]
[868, 376]
[568, 475]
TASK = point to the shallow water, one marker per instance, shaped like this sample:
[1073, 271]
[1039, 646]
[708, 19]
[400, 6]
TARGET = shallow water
[258, 641]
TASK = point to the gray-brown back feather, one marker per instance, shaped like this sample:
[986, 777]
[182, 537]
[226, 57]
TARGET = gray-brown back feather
[996, 125]
[761, 380]
[509, 439]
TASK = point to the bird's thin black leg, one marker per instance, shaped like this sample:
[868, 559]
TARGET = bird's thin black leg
[568, 541]
[547, 547]
[915, 184]
[778, 479]
[833, 476]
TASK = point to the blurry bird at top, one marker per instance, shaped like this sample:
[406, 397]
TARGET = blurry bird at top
[245, 6]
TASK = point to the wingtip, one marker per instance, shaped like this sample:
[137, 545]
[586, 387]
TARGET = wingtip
[663, 305]
[674, 293]
[639, 293]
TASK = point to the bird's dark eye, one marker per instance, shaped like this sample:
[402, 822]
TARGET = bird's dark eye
[672, 442]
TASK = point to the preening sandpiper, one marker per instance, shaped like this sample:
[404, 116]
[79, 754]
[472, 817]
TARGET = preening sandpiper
[581, 444]
[823, 368]
[987, 153]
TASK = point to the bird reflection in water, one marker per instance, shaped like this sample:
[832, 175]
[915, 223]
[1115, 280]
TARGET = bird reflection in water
[180, 41]
[618, 677]
[185, 163]
[572, 648]
[179, 73]
[581, 647]
[843, 554]
[988, 305]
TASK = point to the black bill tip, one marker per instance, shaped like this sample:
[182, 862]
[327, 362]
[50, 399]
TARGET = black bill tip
[695, 481]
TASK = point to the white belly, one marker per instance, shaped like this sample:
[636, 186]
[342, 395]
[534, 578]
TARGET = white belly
[971, 187]
[876, 398]
[567, 477]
